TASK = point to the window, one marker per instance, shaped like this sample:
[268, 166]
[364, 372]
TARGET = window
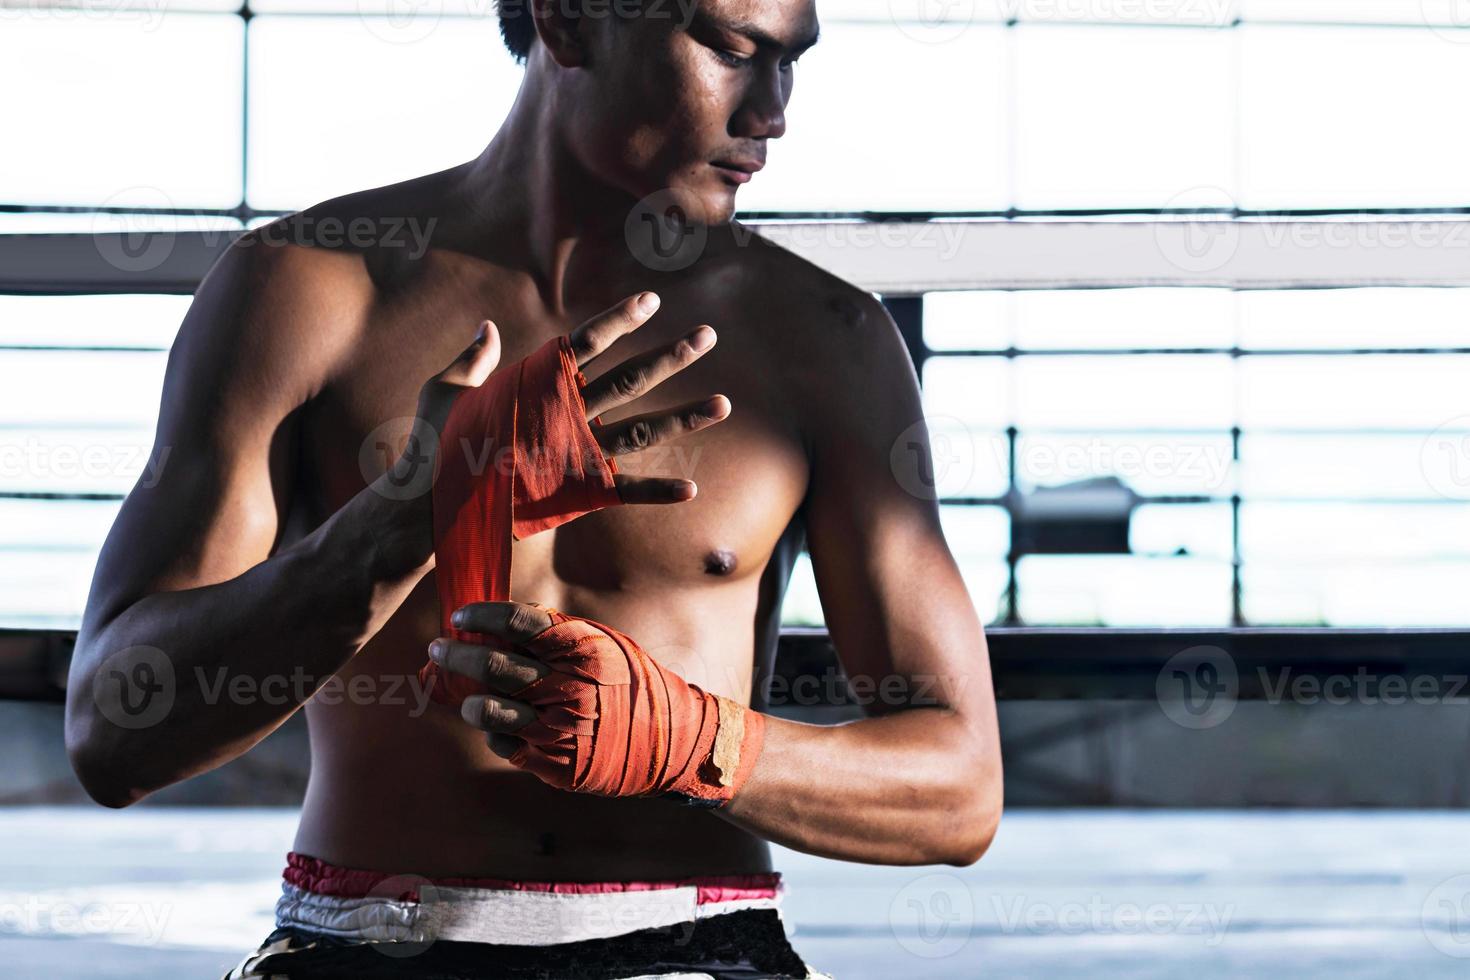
[1122, 221]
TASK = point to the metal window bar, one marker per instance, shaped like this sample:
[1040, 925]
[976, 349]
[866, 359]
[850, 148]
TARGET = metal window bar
[1414, 20]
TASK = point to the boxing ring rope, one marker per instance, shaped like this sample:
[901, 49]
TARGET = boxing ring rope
[903, 259]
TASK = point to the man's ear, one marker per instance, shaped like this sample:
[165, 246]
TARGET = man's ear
[558, 24]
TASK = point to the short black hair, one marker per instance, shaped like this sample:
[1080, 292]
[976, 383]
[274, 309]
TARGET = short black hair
[517, 26]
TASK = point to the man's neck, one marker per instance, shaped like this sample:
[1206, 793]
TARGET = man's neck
[540, 205]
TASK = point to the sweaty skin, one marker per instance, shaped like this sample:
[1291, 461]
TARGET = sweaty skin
[260, 551]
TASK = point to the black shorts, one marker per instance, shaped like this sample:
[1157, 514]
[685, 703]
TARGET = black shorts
[741, 945]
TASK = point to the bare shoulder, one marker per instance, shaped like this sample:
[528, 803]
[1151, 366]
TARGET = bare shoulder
[816, 300]
[297, 292]
[838, 336]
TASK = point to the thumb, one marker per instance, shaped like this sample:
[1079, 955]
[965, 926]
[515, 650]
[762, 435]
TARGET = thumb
[474, 364]
[468, 370]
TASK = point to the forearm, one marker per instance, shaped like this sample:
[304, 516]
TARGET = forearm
[920, 786]
[244, 654]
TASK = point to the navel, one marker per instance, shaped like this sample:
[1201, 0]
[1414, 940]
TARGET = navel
[721, 561]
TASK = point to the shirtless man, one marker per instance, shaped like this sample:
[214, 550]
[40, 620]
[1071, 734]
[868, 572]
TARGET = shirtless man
[267, 550]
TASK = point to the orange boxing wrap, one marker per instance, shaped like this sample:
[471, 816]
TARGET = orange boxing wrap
[516, 456]
[612, 722]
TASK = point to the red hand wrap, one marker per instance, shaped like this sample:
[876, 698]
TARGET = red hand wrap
[517, 456]
[612, 722]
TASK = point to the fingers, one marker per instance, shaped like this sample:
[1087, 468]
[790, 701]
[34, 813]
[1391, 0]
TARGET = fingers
[654, 489]
[513, 622]
[504, 746]
[496, 714]
[600, 332]
[499, 670]
[641, 432]
[638, 375]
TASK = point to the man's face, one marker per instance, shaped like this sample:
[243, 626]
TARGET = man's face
[684, 97]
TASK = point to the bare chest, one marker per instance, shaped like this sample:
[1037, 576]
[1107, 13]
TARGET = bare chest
[751, 469]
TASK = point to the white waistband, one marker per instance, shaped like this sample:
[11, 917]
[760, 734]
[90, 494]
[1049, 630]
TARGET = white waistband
[504, 916]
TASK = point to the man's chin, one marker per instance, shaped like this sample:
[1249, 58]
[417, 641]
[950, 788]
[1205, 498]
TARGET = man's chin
[709, 204]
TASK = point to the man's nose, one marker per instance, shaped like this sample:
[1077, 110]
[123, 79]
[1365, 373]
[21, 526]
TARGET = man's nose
[762, 115]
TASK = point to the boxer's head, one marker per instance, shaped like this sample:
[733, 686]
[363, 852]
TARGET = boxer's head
[665, 94]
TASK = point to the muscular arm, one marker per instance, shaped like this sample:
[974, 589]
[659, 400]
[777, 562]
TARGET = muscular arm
[919, 781]
[188, 576]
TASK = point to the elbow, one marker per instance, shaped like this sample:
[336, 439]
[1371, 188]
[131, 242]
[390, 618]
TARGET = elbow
[974, 822]
[102, 784]
[102, 774]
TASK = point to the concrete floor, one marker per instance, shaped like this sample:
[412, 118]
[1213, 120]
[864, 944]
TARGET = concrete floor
[1096, 894]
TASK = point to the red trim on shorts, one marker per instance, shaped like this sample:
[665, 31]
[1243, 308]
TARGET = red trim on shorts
[321, 878]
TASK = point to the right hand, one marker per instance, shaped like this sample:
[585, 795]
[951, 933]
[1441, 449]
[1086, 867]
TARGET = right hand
[615, 387]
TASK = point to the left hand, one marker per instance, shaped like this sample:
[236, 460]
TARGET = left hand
[501, 670]
[581, 706]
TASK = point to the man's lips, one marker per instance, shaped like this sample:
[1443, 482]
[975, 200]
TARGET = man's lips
[739, 170]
